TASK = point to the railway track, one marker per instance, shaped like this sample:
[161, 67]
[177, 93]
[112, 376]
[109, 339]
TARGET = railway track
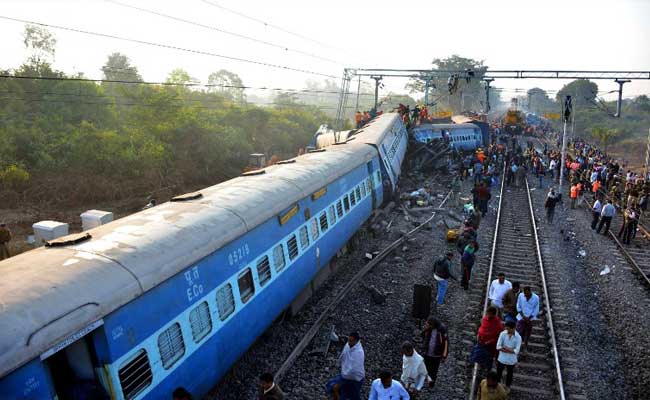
[516, 251]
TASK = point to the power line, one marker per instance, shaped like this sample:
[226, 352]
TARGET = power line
[187, 85]
[214, 28]
[168, 46]
[276, 27]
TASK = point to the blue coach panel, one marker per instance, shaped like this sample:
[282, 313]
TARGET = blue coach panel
[460, 136]
[388, 134]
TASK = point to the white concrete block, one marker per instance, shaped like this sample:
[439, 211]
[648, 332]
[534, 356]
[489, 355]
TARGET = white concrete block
[49, 230]
[94, 218]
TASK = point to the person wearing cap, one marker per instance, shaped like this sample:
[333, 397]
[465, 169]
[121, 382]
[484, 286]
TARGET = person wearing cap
[5, 237]
[347, 385]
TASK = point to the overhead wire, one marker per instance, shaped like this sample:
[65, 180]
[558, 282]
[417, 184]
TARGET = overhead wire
[220, 30]
[168, 46]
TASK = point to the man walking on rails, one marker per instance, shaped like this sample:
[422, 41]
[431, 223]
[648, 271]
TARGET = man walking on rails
[527, 308]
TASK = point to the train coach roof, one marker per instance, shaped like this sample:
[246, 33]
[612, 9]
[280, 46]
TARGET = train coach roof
[48, 294]
[374, 132]
[445, 126]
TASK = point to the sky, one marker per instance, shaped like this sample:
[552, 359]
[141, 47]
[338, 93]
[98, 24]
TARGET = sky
[324, 37]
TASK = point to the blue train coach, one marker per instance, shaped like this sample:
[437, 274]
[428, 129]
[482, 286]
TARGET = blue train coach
[174, 295]
[461, 136]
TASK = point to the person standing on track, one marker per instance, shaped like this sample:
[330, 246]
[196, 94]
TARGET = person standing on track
[528, 309]
[606, 215]
[595, 212]
[436, 347]
[498, 289]
[508, 346]
[488, 332]
[467, 261]
[510, 303]
[550, 203]
[441, 273]
[347, 385]
[491, 389]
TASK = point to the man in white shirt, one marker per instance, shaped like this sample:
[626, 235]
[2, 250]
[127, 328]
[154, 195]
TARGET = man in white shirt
[386, 388]
[498, 289]
[508, 346]
[608, 212]
[414, 371]
[527, 310]
[595, 210]
[348, 384]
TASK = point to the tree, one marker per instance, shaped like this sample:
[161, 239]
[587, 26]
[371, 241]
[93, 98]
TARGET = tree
[582, 92]
[229, 84]
[118, 68]
[41, 44]
[539, 102]
[180, 77]
[605, 135]
[455, 92]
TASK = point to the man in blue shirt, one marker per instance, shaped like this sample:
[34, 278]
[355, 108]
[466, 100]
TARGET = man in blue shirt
[527, 310]
[608, 212]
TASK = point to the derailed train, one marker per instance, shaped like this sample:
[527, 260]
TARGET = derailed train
[174, 295]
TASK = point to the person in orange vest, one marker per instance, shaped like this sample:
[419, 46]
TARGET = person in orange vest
[366, 117]
[359, 119]
[595, 187]
[574, 195]
[579, 188]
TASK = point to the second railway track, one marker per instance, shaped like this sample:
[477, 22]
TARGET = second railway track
[546, 369]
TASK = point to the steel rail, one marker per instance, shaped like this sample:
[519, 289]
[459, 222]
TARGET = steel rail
[307, 338]
[626, 254]
[474, 383]
[549, 317]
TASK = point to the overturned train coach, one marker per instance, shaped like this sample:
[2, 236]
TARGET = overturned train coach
[174, 295]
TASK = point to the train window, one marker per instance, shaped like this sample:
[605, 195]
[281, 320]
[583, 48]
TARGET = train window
[323, 221]
[200, 321]
[304, 238]
[346, 203]
[135, 375]
[353, 199]
[278, 258]
[246, 286]
[264, 270]
[363, 189]
[332, 215]
[170, 345]
[292, 247]
[369, 185]
[314, 229]
[378, 177]
[225, 301]
[339, 209]
[358, 191]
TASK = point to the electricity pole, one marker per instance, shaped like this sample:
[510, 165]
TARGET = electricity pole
[647, 158]
[487, 93]
[377, 81]
[567, 114]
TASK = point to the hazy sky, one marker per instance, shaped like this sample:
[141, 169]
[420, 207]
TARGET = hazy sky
[521, 34]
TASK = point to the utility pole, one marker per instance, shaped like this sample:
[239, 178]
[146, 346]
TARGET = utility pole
[620, 82]
[647, 158]
[427, 84]
[487, 93]
[567, 115]
[356, 107]
[377, 81]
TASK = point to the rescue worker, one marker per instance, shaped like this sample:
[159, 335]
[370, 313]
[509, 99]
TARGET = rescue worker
[359, 119]
[574, 195]
[5, 237]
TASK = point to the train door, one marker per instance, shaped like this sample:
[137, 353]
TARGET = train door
[372, 184]
[73, 370]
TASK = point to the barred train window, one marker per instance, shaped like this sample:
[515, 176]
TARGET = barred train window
[170, 345]
[332, 215]
[292, 247]
[363, 189]
[246, 286]
[323, 221]
[346, 203]
[278, 258]
[353, 199]
[369, 185]
[339, 209]
[314, 229]
[304, 238]
[358, 192]
[225, 301]
[200, 321]
[135, 375]
[263, 270]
